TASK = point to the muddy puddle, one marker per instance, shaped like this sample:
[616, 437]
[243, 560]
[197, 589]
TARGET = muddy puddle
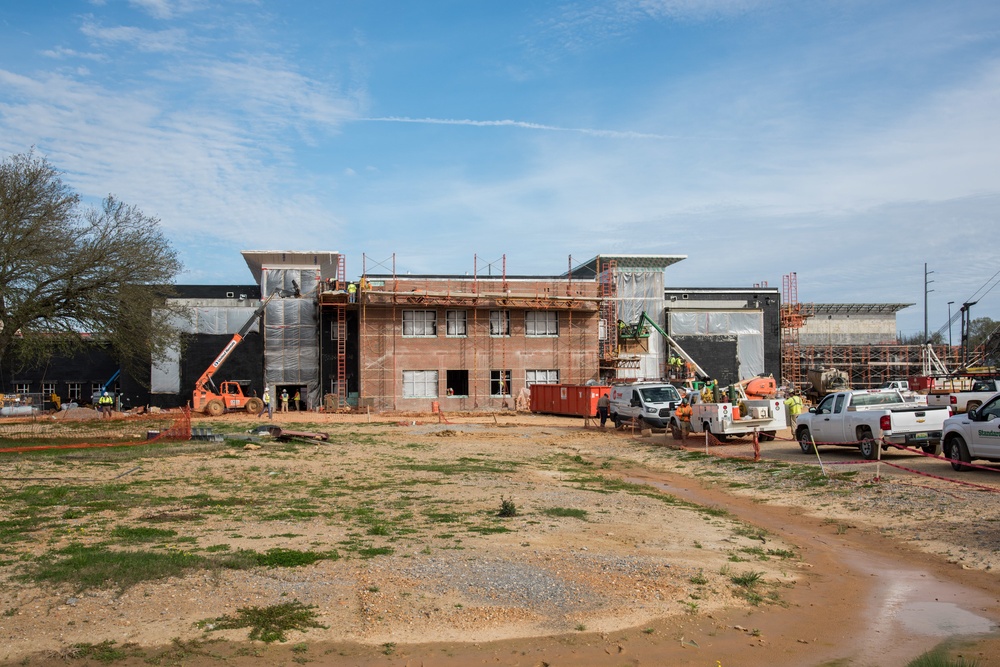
[885, 604]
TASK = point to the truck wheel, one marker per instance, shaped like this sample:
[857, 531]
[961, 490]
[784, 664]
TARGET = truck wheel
[972, 405]
[215, 408]
[675, 431]
[932, 449]
[254, 406]
[767, 436]
[617, 420]
[805, 441]
[958, 452]
[869, 447]
[721, 437]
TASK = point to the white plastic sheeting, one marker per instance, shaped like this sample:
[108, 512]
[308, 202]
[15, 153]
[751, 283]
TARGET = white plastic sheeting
[291, 340]
[638, 292]
[165, 375]
[746, 325]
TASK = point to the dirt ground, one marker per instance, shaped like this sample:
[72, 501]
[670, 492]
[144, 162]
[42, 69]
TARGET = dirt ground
[623, 550]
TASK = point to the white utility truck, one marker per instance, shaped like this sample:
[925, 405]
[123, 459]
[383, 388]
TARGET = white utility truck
[866, 418]
[974, 435]
[765, 416]
[652, 402]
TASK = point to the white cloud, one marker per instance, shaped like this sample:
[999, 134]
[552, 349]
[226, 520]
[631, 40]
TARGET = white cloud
[149, 41]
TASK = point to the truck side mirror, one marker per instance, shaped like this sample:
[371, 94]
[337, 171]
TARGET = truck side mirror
[973, 414]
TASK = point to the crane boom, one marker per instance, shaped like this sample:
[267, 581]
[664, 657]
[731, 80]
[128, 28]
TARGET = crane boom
[677, 348]
[213, 368]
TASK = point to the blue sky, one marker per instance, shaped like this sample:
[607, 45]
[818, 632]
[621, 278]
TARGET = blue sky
[849, 142]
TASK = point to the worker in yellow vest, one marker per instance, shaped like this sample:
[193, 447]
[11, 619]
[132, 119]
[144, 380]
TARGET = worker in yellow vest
[106, 402]
[794, 406]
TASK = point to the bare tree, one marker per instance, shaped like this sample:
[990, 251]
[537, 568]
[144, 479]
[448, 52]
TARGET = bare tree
[70, 273]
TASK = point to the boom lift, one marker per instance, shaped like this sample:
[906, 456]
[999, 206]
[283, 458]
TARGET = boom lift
[214, 401]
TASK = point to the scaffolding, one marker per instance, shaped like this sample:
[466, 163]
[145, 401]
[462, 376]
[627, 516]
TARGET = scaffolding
[486, 350]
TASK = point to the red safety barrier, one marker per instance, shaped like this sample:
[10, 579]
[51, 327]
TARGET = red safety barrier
[168, 426]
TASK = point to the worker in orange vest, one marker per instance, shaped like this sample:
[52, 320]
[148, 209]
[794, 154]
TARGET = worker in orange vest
[683, 414]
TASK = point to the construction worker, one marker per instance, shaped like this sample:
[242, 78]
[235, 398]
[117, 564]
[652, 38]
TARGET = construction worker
[267, 405]
[794, 406]
[296, 399]
[352, 292]
[604, 408]
[284, 400]
[683, 414]
[105, 403]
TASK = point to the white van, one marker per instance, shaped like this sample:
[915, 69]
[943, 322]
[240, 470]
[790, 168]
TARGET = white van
[653, 402]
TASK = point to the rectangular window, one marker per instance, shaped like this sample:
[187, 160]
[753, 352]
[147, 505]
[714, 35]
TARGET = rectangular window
[541, 377]
[420, 384]
[499, 322]
[541, 323]
[22, 387]
[456, 322]
[500, 383]
[457, 383]
[420, 323]
[73, 391]
[48, 388]
[334, 328]
[95, 388]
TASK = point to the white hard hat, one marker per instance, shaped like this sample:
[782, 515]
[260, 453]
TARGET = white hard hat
[105, 393]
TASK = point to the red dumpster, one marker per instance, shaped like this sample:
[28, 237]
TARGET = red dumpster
[576, 400]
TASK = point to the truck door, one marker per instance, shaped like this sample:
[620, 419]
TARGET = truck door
[829, 425]
[985, 432]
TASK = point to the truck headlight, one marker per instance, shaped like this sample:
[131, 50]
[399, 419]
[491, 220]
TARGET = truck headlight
[651, 410]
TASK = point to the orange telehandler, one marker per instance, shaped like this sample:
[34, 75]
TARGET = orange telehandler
[228, 396]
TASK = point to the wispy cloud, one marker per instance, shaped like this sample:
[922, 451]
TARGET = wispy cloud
[149, 41]
[611, 134]
[165, 9]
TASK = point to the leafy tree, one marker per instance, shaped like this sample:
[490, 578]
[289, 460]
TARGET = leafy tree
[69, 273]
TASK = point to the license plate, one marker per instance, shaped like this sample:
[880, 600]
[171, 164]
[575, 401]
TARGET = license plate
[919, 436]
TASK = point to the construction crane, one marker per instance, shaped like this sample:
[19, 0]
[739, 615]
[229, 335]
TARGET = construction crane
[637, 328]
[214, 401]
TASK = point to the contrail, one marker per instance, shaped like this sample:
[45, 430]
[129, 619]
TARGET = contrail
[613, 134]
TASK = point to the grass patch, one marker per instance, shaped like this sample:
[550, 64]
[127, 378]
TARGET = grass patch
[267, 624]
[748, 579]
[570, 512]
[136, 535]
[106, 651]
[96, 566]
[293, 558]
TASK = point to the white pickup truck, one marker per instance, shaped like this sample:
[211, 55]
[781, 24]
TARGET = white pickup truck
[973, 435]
[963, 401]
[652, 402]
[864, 418]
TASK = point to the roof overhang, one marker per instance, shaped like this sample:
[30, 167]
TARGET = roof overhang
[326, 260]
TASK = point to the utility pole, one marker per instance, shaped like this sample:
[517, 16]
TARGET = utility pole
[926, 291]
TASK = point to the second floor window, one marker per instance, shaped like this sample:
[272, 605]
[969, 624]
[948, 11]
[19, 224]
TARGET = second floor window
[499, 322]
[419, 323]
[456, 322]
[541, 323]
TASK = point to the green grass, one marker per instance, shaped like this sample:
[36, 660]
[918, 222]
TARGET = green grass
[267, 624]
[136, 535]
[96, 566]
[570, 512]
[106, 651]
[938, 657]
